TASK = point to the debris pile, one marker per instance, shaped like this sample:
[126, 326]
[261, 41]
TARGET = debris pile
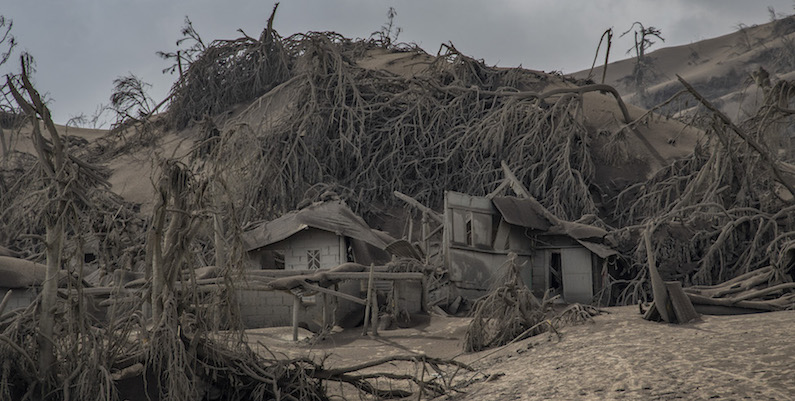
[723, 212]
[765, 289]
[510, 312]
[320, 123]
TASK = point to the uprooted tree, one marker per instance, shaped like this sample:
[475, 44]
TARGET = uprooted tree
[722, 212]
[366, 133]
[59, 348]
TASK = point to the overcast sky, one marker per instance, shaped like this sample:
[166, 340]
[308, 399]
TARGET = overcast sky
[80, 46]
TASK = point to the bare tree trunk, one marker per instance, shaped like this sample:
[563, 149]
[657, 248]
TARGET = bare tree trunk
[3, 144]
[55, 233]
[166, 245]
[218, 228]
[156, 250]
[52, 161]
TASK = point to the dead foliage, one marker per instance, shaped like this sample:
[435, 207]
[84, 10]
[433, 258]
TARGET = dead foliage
[722, 212]
[180, 354]
[510, 312]
[228, 72]
[370, 133]
[367, 133]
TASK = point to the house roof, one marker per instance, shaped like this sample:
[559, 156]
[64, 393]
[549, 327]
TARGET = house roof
[529, 213]
[332, 216]
[522, 212]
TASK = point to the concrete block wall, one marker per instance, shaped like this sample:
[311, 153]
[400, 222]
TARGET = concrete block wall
[275, 308]
[265, 308]
[296, 249]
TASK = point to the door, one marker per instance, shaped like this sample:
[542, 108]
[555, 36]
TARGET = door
[577, 275]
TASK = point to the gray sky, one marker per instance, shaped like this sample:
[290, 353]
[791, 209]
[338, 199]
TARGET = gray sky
[80, 46]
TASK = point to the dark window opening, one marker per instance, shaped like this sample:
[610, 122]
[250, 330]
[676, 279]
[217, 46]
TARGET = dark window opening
[470, 240]
[348, 251]
[278, 260]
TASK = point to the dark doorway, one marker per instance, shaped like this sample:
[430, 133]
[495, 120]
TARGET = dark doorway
[555, 273]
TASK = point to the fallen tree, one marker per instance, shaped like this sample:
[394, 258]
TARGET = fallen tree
[721, 213]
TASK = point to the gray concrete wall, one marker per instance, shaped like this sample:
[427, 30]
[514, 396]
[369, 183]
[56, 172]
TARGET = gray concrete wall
[328, 246]
[298, 247]
[274, 308]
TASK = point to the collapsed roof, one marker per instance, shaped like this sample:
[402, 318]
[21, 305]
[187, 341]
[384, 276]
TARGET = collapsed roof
[332, 216]
[529, 213]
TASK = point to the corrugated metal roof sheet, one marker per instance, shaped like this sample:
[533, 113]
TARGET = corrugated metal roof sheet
[531, 214]
[522, 212]
[333, 216]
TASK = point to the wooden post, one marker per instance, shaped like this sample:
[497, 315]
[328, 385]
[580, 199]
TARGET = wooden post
[426, 241]
[374, 314]
[296, 307]
[411, 228]
[395, 299]
[335, 304]
[325, 310]
[424, 295]
[368, 305]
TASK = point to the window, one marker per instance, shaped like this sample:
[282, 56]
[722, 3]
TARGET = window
[278, 259]
[472, 229]
[313, 259]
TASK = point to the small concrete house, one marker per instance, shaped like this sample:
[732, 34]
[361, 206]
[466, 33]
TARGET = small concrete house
[322, 235]
[563, 257]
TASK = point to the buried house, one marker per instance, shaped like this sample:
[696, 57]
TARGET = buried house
[320, 236]
[324, 236]
[566, 258]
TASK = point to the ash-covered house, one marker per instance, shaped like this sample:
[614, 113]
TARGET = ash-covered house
[320, 236]
[566, 258]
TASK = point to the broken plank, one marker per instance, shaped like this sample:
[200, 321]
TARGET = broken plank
[760, 305]
[659, 291]
[413, 202]
[683, 308]
[335, 293]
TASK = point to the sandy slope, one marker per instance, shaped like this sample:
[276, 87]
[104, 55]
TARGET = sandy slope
[719, 67]
[622, 356]
[133, 171]
[133, 174]
[20, 140]
[619, 356]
